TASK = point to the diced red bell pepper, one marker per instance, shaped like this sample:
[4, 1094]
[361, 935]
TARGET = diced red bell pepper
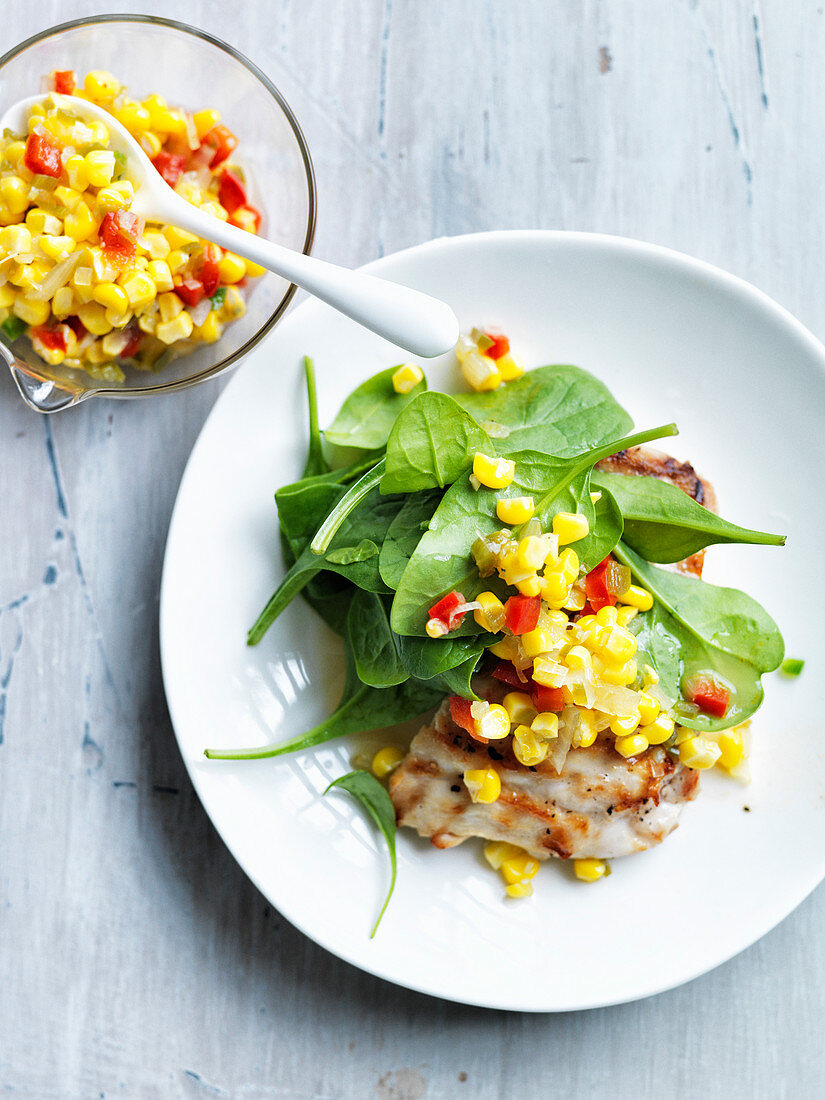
[505, 672]
[246, 217]
[521, 613]
[445, 610]
[500, 345]
[546, 698]
[190, 291]
[223, 141]
[462, 716]
[208, 270]
[129, 350]
[708, 695]
[52, 338]
[595, 585]
[119, 232]
[42, 155]
[231, 192]
[170, 165]
[77, 326]
[64, 81]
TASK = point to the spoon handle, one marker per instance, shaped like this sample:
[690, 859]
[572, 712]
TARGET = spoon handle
[423, 325]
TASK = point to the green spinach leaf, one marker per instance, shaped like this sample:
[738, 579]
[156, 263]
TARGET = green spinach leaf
[346, 505]
[405, 534]
[368, 793]
[368, 414]
[374, 645]
[315, 463]
[663, 524]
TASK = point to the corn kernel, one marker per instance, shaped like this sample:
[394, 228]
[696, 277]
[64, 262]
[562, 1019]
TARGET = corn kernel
[14, 193]
[631, 745]
[579, 657]
[7, 293]
[570, 526]
[205, 121]
[534, 550]
[519, 890]
[530, 586]
[100, 167]
[118, 318]
[177, 329]
[30, 311]
[590, 870]
[133, 116]
[93, 317]
[386, 760]
[178, 238]
[80, 223]
[510, 367]
[619, 647]
[156, 244]
[545, 725]
[15, 152]
[515, 510]
[233, 305]
[731, 749]
[568, 563]
[622, 726]
[519, 868]
[231, 269]
[637, 597]
[253, 270]
[490, 616]
[161, 276]
[110, 198]
[211, 329]
[483, 784]
[497, 851]
[527, 748]
[56, 248]
[554, 587]
[519, 707]
[699, 752]
[481, 372]
[111, 296]
[140, 289]
[150, 143]
[503, 649]
[649, 708]
[436, 628]
[170, 306]
[16, 238]
[586, 731]
[38, 221]
[621, 675]
[101, 86]
[492, 720]
[494, 473]
[549, 671]
[624, 615]
[538, 641]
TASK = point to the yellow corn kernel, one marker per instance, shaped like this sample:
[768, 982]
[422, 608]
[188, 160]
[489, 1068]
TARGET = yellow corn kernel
[498, 851]
[510, 367]
[731, 749]
[554, 586]
[156, 244]
[682, 734]
[111, 296]
[205, 121]
[538, 641]
[527, 748]
[30, 311]
[7, 293]
[211, 329]
[579, 658]
[621, 675]
[492, 719]
[170, 306]
[519, 890]
[147, 321]
[101, 86]
[176, 260]
[631, 745]
[386, 760]
[624, 726]
[67, 196]
[659, 730]
[648, 708]
[515, 510]
[166, 120]
[607, 616]
[490, 616]
[545, 725]
[80, 224]
[100, 167]
[14, 194]
[483, 784]
[38, 221]
[15, 152]
[140, 289]
[586, 731]
[16, 238]
[494, 473]
[177, 329]
[533, 551]
[699, 752]
[404, 378]
[233, 305]
[481, 372]
[178, 238]
[56, 248]
[133, 116]
[29, 276]
[63, 302]
[569, 563]
[570, 526]
[519, 707]
[637, 597]
[519, 868]
[590, 870]
[150, 143]
[53, 356]
[530, 586]
[624, 615]
[76, 172]
[619, 647]
[93, 316]
[503, 649]
[253, 270]
[436, 628]
[161, 276]
[112, 198]
[118, 318]
[549, 671]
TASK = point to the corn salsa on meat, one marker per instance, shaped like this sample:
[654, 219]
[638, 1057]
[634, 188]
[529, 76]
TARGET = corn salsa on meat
[83, 277]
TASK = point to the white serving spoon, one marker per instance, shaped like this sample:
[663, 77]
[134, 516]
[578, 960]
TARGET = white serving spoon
[423, 325]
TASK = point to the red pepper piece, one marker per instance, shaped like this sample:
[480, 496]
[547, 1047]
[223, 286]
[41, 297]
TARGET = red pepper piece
[64, 81]
[500, 345]
[231, 192]
[521, 613]
[52, 338]
[462, 716]
[223, 141]
[708, 695]
[546, 698]
[506, 673]
[135, 337]
[190, 291]
[208, 270]
[119, 232]
[77, 327]
[245, 216]
[595, 585]
[445, 610]
[42, 155]
[170, 165]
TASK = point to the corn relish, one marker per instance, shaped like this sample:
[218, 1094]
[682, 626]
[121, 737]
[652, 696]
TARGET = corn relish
[83, 277]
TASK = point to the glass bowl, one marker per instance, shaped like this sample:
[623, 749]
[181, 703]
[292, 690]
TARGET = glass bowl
[192, 69]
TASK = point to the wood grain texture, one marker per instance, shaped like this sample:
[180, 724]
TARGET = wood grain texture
[136, 960]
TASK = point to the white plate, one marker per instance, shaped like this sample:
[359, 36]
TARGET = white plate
[674, 339]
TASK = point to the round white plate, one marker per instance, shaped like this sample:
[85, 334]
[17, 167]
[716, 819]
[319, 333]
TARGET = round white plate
[674, 339]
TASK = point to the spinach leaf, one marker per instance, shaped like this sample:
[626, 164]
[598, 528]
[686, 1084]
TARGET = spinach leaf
[374, 646]
[560, 410]
[445, 662]
[431, 444]
[349, 555]
[348, 502]
[368, 414]
[705, 629]
[302, 508]
[368, 792]
[315, 463]
[442, 561]
[662, 523]
[405, 534]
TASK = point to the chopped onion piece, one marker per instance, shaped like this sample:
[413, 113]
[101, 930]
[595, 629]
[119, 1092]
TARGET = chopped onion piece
[620, 702]
[201, 311]
[568, 723]
[57, 278]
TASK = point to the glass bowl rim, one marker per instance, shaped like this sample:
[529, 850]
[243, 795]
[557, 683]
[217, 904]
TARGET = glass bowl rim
[289, 115]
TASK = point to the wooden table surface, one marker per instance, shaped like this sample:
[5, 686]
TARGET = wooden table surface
[136, 960]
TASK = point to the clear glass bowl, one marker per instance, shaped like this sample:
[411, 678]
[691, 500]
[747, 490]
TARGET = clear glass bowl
[190, 68]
